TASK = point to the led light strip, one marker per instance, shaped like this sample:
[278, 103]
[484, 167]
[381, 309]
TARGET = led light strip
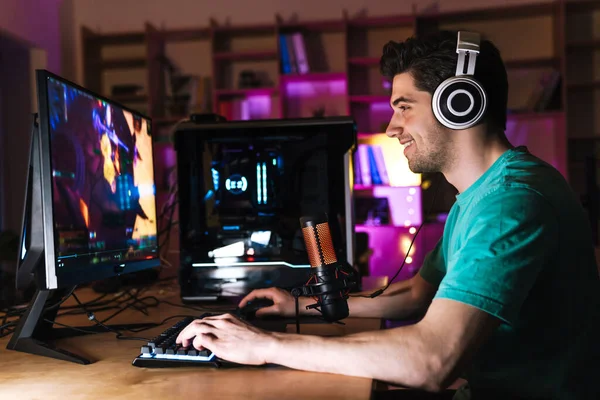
[258, 184]
[245, 263]
[178, 357]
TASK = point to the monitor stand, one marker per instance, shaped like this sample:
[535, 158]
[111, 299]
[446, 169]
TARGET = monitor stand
[35, 332]
[35, 329]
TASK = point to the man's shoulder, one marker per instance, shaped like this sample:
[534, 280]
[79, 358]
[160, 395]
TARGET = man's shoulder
[525, 179]
[507, 193]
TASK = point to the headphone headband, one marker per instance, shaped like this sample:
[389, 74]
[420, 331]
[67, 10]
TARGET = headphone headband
[467, 45]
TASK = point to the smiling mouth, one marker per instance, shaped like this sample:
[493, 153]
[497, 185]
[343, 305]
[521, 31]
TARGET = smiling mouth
[408, 144]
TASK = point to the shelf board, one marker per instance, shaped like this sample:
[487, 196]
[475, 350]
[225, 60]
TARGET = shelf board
[246, 92]
[368, 135]
[380, 22]
[314, 26]
[369, 99]
[593, 85]
[186, 35]
[533, 62]
[492, 13]
[372, 187]
[368, 61]
[584, 44]
[135, 98]
[530, 115]
[161, 121]
[246, 55]
[123, 63]
[243, 29]
[591, 139]
[117, 38]
[314, 77]
[582, 5]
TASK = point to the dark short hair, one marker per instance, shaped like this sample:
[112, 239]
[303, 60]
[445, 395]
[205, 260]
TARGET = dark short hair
[431, 59]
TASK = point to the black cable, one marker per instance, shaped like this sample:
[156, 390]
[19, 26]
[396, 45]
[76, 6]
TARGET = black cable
[136, 300]
[202, 310]
[164, 321]
[12, 312]
[93, 318]
[297, 313]
[96, 305]
[52, 307]
[76, 309]
[381, 290]
[5, 327]
[93, 305]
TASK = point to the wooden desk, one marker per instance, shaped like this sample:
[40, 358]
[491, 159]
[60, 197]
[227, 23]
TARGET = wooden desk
[111, 376]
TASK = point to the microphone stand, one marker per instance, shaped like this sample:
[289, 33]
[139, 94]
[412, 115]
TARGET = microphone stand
[322, 288]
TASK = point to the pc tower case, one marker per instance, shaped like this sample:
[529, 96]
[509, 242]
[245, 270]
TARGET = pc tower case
[242, 188]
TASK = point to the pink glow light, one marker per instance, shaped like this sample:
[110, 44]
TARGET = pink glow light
[334, 87]
[381, 106]
[401, 201]
[389, 244]
[259, 107]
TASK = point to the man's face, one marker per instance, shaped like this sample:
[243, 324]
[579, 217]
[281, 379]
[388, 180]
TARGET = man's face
[425, 141]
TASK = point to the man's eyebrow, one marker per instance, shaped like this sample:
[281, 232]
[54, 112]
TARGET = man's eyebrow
[402, 99]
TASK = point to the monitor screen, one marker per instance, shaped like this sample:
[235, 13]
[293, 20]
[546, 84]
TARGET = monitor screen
[102, 180]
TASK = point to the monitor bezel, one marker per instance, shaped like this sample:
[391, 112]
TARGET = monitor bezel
[81, 274]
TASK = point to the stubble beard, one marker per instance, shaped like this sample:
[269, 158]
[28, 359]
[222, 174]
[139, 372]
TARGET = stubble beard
[435, 156]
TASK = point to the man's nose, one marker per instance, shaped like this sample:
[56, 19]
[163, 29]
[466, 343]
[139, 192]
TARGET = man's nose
[394, 128]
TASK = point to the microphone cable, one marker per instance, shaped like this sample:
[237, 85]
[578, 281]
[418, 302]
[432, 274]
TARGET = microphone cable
[381, 290]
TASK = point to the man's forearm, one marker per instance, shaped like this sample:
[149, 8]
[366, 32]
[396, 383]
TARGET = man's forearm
[398, 356]
[397, 302]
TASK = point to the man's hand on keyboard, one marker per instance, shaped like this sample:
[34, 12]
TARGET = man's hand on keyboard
[228, 338]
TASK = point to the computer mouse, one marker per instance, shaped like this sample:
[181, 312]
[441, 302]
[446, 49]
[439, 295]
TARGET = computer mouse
[249, 310]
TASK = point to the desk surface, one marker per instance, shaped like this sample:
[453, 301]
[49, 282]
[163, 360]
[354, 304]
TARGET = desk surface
[111, 376]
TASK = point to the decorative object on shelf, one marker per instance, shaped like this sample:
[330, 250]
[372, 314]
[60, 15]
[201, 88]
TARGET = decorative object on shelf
[319, 112]
[126, 90]
[249, 79]
[372, 211]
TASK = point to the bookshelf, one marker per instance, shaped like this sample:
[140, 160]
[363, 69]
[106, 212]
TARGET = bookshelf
[342, 78]
[343, 73]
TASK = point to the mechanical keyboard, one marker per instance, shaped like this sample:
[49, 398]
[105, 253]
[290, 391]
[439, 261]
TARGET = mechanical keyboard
[163, 352]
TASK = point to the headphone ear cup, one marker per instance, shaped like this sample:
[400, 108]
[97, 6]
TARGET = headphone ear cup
[459, 102]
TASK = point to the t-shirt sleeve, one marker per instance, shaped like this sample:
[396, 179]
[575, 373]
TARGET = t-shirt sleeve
[511, 236]
[434, 267]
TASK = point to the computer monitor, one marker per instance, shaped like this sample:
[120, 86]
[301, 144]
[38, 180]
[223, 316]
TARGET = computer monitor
[90, 209]
[242, 188]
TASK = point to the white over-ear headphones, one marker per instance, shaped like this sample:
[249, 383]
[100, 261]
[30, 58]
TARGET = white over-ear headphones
[460, 102]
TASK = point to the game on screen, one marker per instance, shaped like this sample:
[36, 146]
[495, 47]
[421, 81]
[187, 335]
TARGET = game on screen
[103, 180]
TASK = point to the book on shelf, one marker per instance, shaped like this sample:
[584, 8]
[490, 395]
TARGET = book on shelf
[294, 59]
[369, 166]
[235, 109]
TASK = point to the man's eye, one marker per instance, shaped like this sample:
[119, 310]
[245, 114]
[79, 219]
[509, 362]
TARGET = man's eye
[403, 108]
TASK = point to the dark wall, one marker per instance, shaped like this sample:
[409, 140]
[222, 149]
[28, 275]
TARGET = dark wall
[15, 123]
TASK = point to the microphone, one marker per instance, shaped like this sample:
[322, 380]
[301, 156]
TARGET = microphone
[330, 281]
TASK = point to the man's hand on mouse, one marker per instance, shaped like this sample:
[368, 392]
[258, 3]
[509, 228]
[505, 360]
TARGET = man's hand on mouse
[229, 338]
[283, 302]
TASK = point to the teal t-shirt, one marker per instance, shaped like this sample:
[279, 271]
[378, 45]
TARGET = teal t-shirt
[517, 244]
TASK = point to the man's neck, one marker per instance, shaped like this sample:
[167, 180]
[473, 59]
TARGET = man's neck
[475, 156]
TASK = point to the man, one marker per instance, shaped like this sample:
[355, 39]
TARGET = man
[509, 297]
